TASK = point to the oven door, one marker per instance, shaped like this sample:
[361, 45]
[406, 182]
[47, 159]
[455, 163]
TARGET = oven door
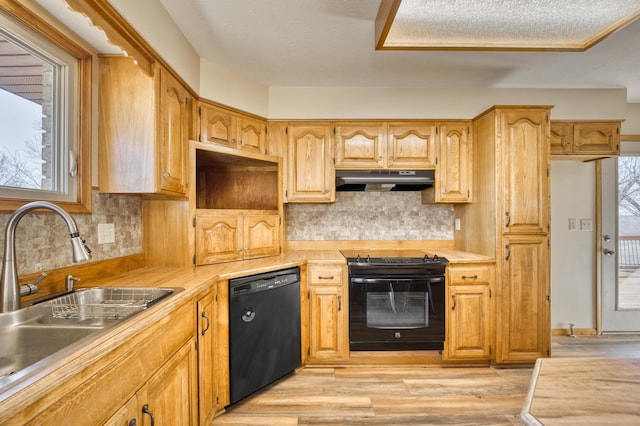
[396, 313]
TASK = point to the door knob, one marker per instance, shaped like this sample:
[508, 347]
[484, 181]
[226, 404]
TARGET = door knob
[608, 252]
[606, 238]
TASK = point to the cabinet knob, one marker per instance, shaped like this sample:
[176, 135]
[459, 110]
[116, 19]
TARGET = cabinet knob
[391, 158]
[579, 143]
[166, 175]
[233, 141]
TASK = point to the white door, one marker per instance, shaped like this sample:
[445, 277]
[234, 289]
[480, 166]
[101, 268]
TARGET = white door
[619, 247]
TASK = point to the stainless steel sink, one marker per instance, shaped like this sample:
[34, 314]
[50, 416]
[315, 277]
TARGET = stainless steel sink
[35, 337]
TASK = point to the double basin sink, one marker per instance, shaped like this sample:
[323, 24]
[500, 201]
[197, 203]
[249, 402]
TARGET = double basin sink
[33, 338]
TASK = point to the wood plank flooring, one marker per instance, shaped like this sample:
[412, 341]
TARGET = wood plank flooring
[429, 395]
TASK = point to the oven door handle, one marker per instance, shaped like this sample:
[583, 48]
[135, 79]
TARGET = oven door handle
[429, 280]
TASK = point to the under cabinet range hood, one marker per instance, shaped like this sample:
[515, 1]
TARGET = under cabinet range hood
[384, 180]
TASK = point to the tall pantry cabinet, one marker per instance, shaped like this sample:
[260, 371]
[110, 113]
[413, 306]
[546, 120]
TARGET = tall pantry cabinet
[510, 220]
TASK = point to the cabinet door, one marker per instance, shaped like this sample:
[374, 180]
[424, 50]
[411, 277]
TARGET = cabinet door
[207, 387]
[525, 171]
[453, 183]
[174, 122]
[251, 134]
[310, 164]
[217, 126]
[561, 141]
[523, 330]
[125, 415]
[328, 340]
[411, 145]
[360, 145]
[469, 311]
[170, 396]
[261, 235]
[596, 138]
[218, 238]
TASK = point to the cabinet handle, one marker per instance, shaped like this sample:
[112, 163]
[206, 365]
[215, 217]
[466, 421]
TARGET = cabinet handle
[508, 219]
[206, 318]
[444, 191]
[453, 297]
[246, 250]
[325, 278]
[145, 410]
[391, 158]
[133, 422]
[339, 303]
[166, 175]
[579, 143]
[471, 277]
[508, 252]
[240, 250]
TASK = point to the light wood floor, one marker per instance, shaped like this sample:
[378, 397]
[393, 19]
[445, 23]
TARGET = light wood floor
[409, 395]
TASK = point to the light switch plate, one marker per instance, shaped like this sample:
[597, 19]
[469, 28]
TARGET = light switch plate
[586, 224]
[573, 224]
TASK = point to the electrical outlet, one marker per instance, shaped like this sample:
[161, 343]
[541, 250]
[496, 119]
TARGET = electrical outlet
[457, 223]
[586, 224]
[573, 224]
[106, 233]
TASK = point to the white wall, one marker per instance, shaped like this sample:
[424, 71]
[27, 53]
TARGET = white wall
[573, 289]
[381, 102]
[221, 85]
[154, 24]
[631, 125]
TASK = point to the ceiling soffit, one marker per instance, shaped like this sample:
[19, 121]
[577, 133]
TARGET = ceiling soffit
[527, 25]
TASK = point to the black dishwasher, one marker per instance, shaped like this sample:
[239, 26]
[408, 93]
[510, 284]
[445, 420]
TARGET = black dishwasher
[264, 330]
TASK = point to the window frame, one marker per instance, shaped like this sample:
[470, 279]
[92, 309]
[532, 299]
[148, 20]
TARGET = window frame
[83, 117]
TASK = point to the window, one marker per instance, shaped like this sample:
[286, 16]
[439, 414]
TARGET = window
[45, 121]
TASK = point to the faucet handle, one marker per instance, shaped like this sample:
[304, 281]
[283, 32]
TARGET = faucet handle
[27, 289]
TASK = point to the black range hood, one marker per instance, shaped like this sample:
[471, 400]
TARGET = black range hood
[384, 180]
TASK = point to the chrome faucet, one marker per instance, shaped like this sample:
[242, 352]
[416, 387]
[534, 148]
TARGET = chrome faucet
[9, 286]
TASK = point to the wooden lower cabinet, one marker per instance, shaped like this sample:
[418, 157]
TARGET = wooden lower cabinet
[154, 367]
[213, 372]
[469, 312]
[328, 313]
[523, 309]
[223, 237]
[167, 398]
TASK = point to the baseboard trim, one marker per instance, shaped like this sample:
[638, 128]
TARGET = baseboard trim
[576, 332]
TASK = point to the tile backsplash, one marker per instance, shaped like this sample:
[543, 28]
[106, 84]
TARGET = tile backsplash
[42, 240]
[370, 216]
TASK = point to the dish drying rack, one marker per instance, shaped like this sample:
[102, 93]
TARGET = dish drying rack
[118, 304]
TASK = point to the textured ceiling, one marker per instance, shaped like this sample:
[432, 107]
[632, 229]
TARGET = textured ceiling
[550, 24]
[332, 43]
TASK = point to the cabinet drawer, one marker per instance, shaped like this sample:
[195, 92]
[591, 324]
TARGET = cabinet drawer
[326, 275]
[470, 275]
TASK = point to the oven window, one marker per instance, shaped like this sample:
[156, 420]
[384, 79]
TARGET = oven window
[397, 305]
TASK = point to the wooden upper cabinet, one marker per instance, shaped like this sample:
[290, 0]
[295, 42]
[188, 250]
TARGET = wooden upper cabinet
[143, 129]
[173, 131]
[453, 171]
[412, 146]
[224, 127]
[525, 191]
[561, 140]
[360, 145]
[596, 138]
[584, 140]
[311, 173]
